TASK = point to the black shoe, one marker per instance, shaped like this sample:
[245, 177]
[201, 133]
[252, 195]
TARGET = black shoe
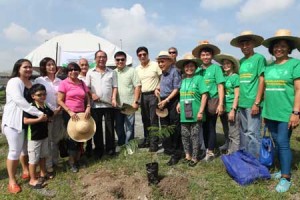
[153, 149]
[111, 153]
[192, 163]
[172, 161]
[144, 145]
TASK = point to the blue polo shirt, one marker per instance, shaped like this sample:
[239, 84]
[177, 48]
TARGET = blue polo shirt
[169, 81]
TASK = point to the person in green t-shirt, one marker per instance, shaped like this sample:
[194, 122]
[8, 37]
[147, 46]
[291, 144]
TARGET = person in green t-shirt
[282, 100]
[193, 97]
[230, 120]
[214, 79]
[251, 88]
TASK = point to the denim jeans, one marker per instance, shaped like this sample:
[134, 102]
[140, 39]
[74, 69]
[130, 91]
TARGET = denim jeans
[249, 125]
[281, 136]
[124, 127]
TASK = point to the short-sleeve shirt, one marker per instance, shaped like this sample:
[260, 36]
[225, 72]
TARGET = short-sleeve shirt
[149, 76]
[74, 94]
[250, 70]
[213, 75]
[128, 80]
[279, 90]
[102, 84]
[231, 82]
[192, 90]
[38, 131]
[169, 81]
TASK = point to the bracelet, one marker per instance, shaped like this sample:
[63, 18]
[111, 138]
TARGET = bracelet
[296, 112]
[88, 106]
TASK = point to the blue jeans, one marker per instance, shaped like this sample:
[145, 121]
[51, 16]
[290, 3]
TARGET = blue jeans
[124, 127]
[249, 125]
[281, 136]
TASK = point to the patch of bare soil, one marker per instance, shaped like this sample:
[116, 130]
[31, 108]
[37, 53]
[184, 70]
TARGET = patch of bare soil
[174, 187]
[105, 184]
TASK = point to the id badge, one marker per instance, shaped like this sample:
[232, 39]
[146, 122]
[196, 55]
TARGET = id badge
[188, 109]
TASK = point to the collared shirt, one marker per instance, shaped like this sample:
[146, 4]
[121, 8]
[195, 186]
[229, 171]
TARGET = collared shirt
[169, 81]
[51, 88]
[102, 85]
[83, 78]
[149, 76]
[128, 80]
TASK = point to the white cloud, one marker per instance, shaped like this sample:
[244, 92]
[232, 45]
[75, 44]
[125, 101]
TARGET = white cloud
[218, 4]
[16, 33]
[252, 10]
[133, 27]
[83, 30]
[224, 37]
[43, 35]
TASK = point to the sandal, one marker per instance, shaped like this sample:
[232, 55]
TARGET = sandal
[39, 185]
[25, 176]
[192, 163]
[14, 188]
[185, 160]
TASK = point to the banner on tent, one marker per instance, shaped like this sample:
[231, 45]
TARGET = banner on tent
[74, 56]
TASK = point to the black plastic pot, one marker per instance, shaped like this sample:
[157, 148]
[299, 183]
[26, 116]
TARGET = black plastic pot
[152, 173]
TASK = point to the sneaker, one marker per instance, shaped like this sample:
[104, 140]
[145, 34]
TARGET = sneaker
[276, 175]
[209, 156]
[73, 168]
[283, 185]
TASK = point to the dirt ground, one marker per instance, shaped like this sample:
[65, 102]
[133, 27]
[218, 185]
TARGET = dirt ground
[110, 185]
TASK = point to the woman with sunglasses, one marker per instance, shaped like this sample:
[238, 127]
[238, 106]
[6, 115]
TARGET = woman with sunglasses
[72, 93]
[56, 129]
[17, 102]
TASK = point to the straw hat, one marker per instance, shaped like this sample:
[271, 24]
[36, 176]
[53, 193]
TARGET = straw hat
[81, 130]
[220, 57]
[205, 44]
[188, 57]
[282, 34]
[164, 54]
[247, 35]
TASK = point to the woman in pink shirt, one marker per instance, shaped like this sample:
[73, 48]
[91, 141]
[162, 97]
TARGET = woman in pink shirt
[72, 94]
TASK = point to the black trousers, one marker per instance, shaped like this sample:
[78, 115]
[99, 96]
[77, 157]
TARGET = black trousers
[108, 114]
[173, 144]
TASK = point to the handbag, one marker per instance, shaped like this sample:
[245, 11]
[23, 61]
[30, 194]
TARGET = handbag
[266, 154]
[212, 105]
[244, 168]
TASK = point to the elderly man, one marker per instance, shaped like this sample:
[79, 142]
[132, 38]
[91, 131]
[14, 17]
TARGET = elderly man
[84, 67]
[251, 85]
[149, 75]
[169, 94]
[129, 89]
[103, 84]
[173, 53]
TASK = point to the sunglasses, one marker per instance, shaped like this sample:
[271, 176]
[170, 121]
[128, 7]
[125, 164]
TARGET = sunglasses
[41, 94]
[120, 59]
[172, 52]
[73, 69]
[142, 54]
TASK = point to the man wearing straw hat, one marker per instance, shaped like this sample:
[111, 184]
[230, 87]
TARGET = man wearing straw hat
[251, 85]
[129, 88]
[169, 95]
[149, 75]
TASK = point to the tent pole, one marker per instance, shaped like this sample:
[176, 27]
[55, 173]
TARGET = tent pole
[56, 53]
[99, 46]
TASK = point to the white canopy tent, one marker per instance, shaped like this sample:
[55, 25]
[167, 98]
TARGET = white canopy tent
[71, 47]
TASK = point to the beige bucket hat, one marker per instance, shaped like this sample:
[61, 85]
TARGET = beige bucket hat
[188, 57]
[81, 130]
[164, 54]
[247, 35]
[283, 34]
[236, 64]
[205, 44]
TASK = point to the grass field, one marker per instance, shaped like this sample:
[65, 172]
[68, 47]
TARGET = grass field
[205, 181]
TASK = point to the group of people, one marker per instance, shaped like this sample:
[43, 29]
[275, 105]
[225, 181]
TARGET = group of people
[194, 90]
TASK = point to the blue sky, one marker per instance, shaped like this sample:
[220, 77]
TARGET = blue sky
[24, 24]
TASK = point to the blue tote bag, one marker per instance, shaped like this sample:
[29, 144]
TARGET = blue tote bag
[244, 168]
[266, 154]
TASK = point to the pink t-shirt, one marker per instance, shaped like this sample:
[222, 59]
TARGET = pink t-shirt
[74, 94]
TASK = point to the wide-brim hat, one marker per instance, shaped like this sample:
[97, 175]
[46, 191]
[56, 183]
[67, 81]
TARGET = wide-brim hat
[205, 44]
[81, 130]
[127, 109]
[162, 112]
[164, 55]
[186, 58]
[236, 64]
[247, 35]
[283, 34]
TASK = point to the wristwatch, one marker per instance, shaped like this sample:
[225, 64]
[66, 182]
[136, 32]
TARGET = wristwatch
[257, 104]
[296, 112]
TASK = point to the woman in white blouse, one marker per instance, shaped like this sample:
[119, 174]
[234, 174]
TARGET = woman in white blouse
[17, 102]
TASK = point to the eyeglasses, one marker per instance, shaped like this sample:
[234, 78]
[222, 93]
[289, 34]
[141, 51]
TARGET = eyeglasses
[41, 94]
[120, 59]
[73, 69]
[142, 54]
[172, 52]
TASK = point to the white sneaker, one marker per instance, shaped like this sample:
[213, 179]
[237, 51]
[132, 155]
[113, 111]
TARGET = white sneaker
[118, 149]
[209, 156]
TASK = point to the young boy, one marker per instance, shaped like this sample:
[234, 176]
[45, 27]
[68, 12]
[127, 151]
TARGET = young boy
[37, 136]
